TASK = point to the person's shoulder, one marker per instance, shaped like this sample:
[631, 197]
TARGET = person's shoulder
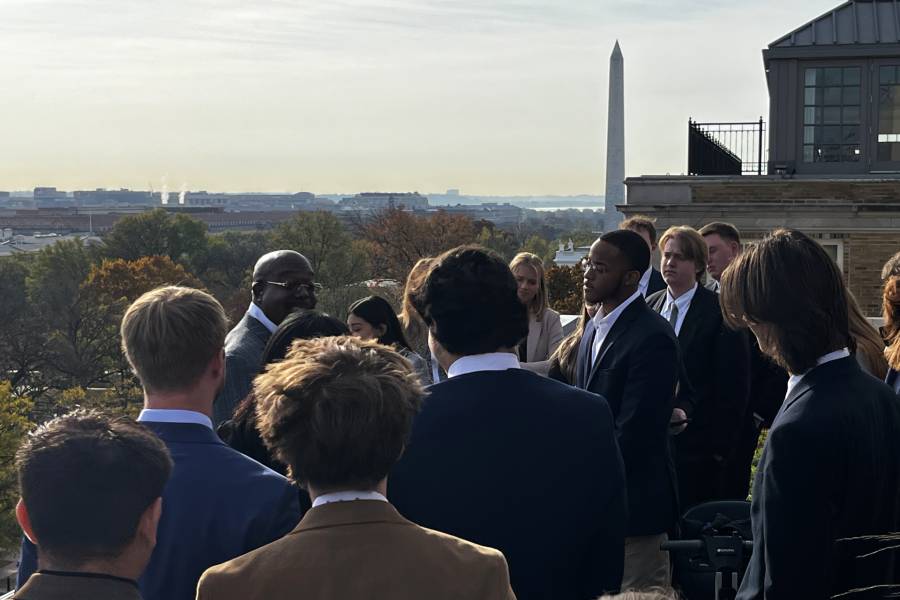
[550, 314]
[238, 468]
[465, 554]
[655, 296]
[231, 578]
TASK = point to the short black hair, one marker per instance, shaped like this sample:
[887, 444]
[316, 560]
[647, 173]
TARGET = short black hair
[377, 311]
[301, 325]
[86, 479]
[470, 304]
[632, 246]
[726, 231]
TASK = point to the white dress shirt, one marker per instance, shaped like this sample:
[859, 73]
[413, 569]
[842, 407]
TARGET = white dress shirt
[172, 415]
[683, 302]
[793, 380]
[644, 283]
[604, 323]
[492, 361]
[348, 496]
[715, 286]
[258, 314]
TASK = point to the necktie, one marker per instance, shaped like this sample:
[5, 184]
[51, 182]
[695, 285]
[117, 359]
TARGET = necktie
[673, 316]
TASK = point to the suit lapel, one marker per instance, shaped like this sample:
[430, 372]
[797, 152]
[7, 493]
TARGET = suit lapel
[618, 329]
[695, 313]
[583, 365]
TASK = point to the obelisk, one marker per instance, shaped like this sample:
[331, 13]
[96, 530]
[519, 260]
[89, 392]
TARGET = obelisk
[615, 141]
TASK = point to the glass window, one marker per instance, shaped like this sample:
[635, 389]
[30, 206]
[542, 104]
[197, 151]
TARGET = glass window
[888, 114]
[832, 113]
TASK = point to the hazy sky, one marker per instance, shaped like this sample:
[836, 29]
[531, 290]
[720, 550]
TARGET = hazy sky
[490, 96]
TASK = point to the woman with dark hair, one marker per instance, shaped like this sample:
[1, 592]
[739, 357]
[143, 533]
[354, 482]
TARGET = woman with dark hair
[240, 431]
[373, 318]
[891, 310]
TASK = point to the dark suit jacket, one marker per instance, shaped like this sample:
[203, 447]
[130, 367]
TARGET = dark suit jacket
[244, 347]
[361, 549]
[46, 586]
[218, 504]
[656, 283]
[524, 464]
[830, 470]
[893, 380]
[637, 371]
[716, 363]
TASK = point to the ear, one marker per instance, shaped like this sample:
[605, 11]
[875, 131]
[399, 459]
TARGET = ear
[149, 522]
[25, 521]
[632, 278]
[256, 290]
[216, 366]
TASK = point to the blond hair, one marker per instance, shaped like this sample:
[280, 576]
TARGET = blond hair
[414, 327]
[891, 313]
[170, 334]
[868, 343]
[693, 247]
[541, 300]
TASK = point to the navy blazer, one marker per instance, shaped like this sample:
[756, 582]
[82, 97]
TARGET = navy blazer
[637, 372]
[524, 464]
[217, 505]
[244, 347]
[656, 283]
[830, 470]
[716, 362]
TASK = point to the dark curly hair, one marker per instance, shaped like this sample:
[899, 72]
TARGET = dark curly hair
[469, 302]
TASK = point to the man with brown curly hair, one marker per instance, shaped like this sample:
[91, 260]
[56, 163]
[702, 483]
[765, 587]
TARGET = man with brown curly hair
[338, 412]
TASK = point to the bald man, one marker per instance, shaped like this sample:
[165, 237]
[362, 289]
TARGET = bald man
[282, 283]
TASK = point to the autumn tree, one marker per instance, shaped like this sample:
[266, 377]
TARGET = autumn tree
[115, 281]
[14, 424]
[564, 286]
[398, 239]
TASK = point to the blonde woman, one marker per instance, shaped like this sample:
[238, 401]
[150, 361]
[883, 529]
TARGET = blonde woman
[891, 306]
[544, 327]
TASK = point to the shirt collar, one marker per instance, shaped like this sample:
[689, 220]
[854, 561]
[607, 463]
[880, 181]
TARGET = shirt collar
[172, 415]
[682, 301]
[601, 320]
[347, 496]
[492, 361]
[257, 313]
[793, 380]
[644, 283]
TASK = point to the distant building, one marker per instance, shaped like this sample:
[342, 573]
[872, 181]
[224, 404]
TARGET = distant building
[833, 165]
[102, 197]
[569, 256]
[499, 214]
[50, 197]
[385, 200]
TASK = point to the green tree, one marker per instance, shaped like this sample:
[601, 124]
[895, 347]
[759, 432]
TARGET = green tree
[500, 241]
[321, 238]
[540, 247]
[14, 424]
[22, 344]
[158, 233]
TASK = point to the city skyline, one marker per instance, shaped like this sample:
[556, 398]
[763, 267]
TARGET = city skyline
[381, 95]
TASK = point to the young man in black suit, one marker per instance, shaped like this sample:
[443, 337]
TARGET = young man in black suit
[651, 280]
[768, 381]
[506, 458]
[629, 355]
[830, 471]
[716, 368]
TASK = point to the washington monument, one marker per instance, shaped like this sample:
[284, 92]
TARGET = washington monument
[615, 141]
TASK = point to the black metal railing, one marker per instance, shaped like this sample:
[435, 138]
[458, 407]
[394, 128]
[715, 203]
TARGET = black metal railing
[727, 148]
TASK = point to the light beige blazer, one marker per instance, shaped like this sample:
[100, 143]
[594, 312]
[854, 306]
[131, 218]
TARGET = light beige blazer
[361, 549]
[544, 337]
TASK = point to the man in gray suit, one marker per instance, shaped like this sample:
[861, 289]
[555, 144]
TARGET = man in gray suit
[282, 283]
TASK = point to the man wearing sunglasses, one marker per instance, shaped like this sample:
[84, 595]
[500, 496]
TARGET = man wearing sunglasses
[282, 283]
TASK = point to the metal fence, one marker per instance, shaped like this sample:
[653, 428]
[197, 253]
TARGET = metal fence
[738, 148]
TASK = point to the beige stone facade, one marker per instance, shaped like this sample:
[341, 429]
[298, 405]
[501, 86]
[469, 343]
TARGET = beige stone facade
[856, 219]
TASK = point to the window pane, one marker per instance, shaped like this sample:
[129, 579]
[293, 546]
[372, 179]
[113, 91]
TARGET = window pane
[830, 153]
[851, 135]
[832, 115]
[851, 76]
[832, 76]
[887, 75]
[810, 96]
[851, 153]
[831, 135]
[832, 96]
[809, 135]
[851, 115]
[811, 75]
[851, 95]
[808, 153]
[809, 116]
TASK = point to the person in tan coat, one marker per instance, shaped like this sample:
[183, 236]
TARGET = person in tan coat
[338, 412]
